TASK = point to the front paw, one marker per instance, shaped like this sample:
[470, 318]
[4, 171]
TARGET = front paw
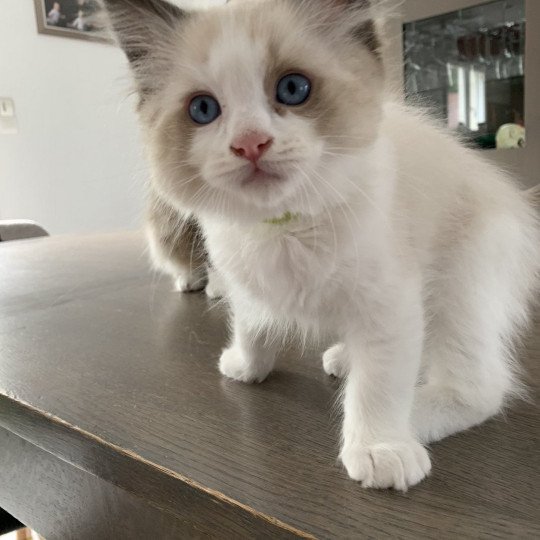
[397, 464]
[234, 365]
[335, 362]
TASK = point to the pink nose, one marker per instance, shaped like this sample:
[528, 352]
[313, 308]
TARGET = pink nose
[252, 145]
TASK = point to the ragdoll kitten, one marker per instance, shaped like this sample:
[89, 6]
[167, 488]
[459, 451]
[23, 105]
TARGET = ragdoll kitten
[326, 207]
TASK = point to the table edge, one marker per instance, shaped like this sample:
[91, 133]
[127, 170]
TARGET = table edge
[41, 429]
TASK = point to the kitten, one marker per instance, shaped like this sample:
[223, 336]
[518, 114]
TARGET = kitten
[328, 207]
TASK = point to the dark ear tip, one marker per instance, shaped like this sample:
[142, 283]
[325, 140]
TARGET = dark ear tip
[161, 8]
[138, 24]
[367, 34]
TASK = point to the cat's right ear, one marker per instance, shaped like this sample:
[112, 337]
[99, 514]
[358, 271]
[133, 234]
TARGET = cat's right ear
[353, 17]
[145, 30]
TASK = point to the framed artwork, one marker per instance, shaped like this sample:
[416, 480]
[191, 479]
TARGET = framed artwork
[69, 18]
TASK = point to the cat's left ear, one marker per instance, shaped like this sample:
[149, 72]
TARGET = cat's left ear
[145, 29]
[137, 23]
[355, 17]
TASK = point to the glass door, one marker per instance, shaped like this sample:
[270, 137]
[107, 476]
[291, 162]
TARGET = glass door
[468, 67]
[472, 64]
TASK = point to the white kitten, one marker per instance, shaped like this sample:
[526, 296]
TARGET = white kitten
[326, 207]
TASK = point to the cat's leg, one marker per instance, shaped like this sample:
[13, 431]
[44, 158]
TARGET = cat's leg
[336, 361]
[468, 372]
[176, 245]
[479, 304]
[252, 354]
[468, 361]
[378, 446]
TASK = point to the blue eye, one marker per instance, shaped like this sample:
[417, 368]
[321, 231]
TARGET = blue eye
[293, 89]
[204, 109]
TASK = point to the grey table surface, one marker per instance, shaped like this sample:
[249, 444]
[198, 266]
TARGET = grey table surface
[109, 390]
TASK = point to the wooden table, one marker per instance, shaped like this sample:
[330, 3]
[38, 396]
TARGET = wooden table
[115, 423]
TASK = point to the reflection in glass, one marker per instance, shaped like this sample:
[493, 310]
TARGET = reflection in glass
[468, 66]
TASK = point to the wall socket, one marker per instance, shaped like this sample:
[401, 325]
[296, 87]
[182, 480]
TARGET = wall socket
[8, 118]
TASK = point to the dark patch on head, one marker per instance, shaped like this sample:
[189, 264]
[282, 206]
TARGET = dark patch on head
[136, 8]
[172, 140]
[362, 4]
[317, 108]
[166, 11]
[275, 71]
[330, 102]
[366, 33]
[145, 93]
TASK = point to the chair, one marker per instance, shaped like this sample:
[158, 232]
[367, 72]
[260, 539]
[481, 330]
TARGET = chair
[19, 229]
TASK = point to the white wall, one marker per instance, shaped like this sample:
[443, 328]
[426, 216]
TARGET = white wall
[76, 164]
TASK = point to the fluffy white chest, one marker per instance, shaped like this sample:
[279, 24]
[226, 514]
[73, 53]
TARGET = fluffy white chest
[291, 271]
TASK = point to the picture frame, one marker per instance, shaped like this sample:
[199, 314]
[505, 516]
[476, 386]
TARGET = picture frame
[70, 19]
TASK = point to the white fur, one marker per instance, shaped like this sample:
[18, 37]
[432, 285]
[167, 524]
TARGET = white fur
[432, 269]
[414, 253]
[335, 361]
[215, 288]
